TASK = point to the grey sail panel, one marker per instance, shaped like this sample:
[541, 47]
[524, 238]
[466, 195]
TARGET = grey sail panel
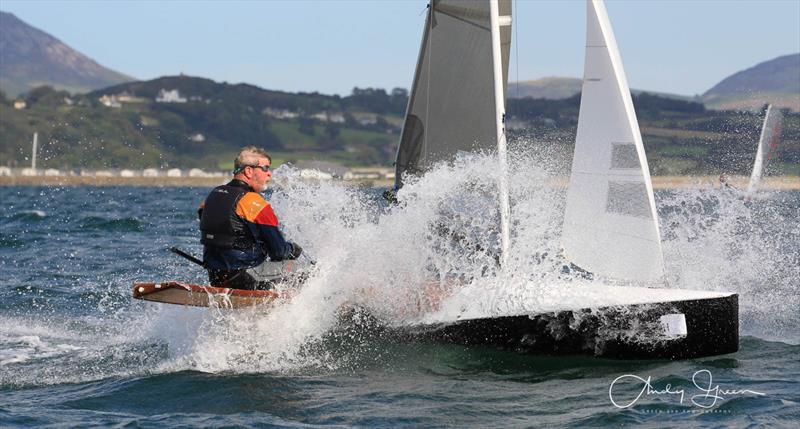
[451, 106]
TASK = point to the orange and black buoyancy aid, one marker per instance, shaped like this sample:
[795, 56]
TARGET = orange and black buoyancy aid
[220, 226]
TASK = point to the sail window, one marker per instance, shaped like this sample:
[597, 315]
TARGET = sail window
[624, 156]
[629, 199]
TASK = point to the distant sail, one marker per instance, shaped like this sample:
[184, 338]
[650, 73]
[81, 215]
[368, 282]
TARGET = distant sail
[611, 223]
[452, 102]
[767, 146]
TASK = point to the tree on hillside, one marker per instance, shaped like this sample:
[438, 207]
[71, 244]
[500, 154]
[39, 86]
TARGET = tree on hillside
[381, 124]
[46, 95]
[306, 126]
[370, 99]
[399, 101]
[332, 130]
[653, 106]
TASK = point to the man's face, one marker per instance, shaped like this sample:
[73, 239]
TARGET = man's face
[258, 177]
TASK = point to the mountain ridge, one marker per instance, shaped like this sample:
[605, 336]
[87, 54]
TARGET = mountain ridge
[776, 81]
[30, 57]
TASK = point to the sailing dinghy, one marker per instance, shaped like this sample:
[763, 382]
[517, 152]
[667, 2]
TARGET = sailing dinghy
[610, 228]
[767, 146]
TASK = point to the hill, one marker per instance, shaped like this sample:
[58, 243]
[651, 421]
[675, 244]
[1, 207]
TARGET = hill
[550, 88]
[558, 88]
[183, 121]
[681, 137]
[30, 57]
[776, 81]
[196, 122]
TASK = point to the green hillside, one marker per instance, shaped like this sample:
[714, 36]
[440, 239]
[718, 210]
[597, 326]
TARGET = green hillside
[680, 137]
[213, 122]
[207, 122]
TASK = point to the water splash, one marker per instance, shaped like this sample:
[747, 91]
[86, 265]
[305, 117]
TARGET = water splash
[397, 260]
[393, 260]
[715, 240]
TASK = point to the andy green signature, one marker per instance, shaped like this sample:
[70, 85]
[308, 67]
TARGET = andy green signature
[709, 393]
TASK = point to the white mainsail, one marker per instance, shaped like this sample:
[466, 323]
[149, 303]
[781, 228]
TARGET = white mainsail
[767, 145]
[610, 222]
[453, 104]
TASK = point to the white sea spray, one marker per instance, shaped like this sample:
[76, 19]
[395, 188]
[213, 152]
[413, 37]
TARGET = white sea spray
[443, 236]
[70, 317]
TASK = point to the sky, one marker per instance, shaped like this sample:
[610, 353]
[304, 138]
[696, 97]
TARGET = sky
[331, 46]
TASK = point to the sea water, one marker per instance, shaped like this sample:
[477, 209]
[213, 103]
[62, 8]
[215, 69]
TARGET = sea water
[77, 350]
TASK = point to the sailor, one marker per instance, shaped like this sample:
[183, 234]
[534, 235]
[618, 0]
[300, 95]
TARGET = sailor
[239, 229]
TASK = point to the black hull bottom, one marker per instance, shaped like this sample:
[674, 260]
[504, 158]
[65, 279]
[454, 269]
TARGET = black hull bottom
[631, 332]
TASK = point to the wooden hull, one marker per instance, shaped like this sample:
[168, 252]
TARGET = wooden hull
[172, 292]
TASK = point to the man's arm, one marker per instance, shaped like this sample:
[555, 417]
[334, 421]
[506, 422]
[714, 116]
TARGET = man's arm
[261, 219]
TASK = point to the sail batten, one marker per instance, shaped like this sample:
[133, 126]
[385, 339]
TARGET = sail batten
[610, 221]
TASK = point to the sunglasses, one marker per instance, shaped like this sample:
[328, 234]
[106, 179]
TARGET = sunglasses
[264, 168]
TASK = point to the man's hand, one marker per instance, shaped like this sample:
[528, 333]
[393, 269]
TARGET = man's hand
[296, 250]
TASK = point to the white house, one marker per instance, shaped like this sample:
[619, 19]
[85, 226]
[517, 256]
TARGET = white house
[171, 96]
[336, 118]
[110, 101]
[5, 171]
[174, 172]
[280, 113]
[125, 97]
[150, 172]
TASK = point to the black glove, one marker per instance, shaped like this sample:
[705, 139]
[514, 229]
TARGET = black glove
[390, 196]
[296, 250]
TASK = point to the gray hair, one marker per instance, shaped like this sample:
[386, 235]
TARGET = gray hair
[249, 155]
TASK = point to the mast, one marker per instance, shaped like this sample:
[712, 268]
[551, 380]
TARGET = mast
[499, 101]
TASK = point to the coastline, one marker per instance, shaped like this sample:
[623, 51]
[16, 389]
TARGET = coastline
[659, 182]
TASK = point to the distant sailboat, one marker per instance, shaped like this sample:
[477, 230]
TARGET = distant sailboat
[611, 223]
[34, 150]
[767, 146]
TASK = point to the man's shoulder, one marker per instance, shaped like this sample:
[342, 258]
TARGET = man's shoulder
[254, 208]
[253, 198]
